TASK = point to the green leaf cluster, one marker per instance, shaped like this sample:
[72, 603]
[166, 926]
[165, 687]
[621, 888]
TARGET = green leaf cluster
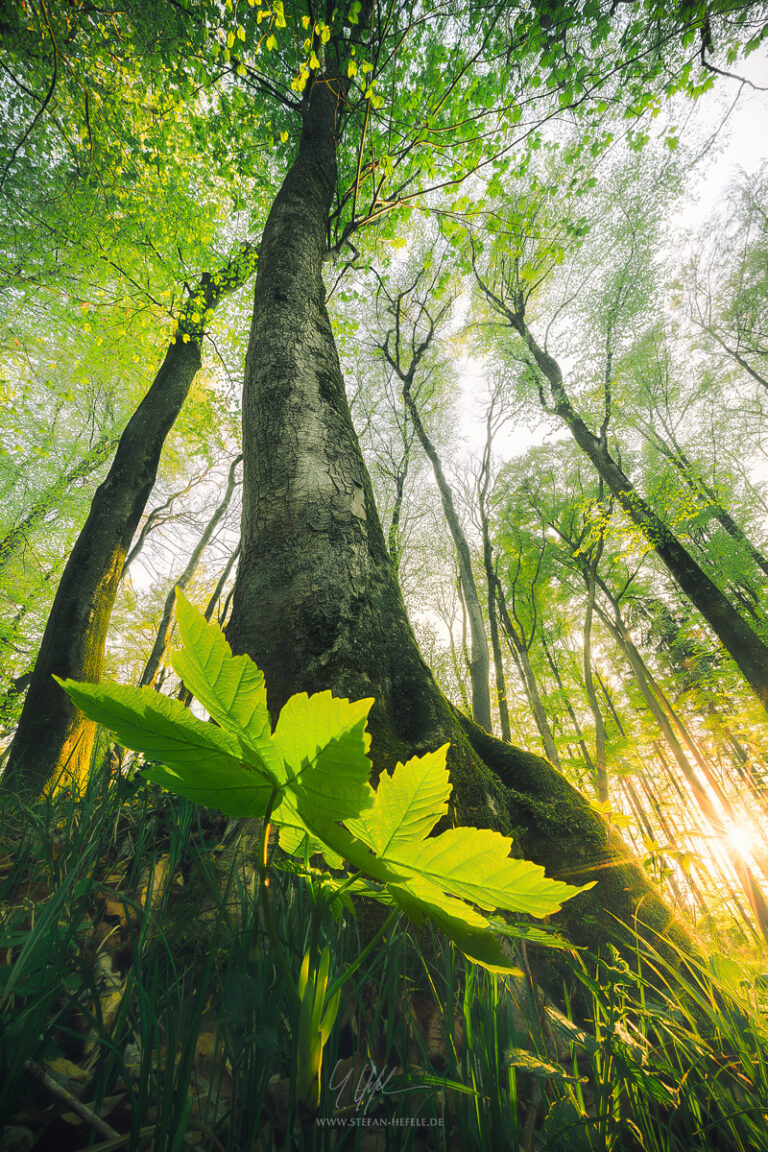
[310, 777]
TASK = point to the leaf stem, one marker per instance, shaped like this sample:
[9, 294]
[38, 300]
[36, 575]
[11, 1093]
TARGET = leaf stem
[266, 907]
[348, 972]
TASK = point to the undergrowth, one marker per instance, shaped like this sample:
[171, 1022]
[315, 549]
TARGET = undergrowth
[142, 1008]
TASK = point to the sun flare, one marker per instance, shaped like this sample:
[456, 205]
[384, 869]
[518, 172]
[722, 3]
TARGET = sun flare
[741, 837]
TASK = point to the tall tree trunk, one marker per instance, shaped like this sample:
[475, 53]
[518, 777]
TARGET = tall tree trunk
[316, 600]
[395, 532]
[52, 736]
[498, 659]
[479, 663]
[491, 577]
[745, 648]
[568, 706]
[162, 635]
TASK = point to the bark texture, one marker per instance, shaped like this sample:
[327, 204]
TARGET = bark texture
[316, 602]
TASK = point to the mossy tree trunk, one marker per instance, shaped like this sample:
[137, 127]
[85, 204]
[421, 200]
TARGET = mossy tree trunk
[316, 601]
[52, 735]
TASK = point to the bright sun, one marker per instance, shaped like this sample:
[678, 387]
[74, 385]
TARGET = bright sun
[741, 837]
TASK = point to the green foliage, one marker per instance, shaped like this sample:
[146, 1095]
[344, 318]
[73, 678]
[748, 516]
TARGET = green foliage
[670, 1059]
[311, 776]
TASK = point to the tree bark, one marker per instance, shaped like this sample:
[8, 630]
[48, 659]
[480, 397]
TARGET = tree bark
[52, 737]
[316, 601]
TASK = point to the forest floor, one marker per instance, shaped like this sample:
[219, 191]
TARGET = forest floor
[142, 1008]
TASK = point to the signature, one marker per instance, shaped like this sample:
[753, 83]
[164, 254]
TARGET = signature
[371, 1082]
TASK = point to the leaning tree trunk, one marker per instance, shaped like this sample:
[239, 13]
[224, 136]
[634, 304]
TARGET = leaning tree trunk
[53, 737]
[316, 601]
[745, 648]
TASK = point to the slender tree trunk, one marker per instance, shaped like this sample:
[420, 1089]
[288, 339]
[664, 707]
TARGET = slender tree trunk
[491, 577]
[493, 628]
[210, 607]
[498, 659]
[569, 706]
[316, 600]
[744, 646]
[394, 535]
[523, 659]
[159, 515]
[479, 664]
[51, 498]
[601, 770]
[162, 635]
[52, 736]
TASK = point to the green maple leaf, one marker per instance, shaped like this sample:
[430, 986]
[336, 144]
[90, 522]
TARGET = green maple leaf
[408, 804]
[195, 759]
[312, 775]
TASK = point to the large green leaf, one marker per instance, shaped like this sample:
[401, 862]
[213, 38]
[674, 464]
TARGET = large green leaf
[324, 744]
[199, 760]
[315, 770]
[236, 790]
[230, 687]
[468, 930]
[474, 863]
[296, 840]
[408, 804]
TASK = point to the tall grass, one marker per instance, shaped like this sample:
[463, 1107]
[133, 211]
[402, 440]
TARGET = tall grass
[137, 970]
